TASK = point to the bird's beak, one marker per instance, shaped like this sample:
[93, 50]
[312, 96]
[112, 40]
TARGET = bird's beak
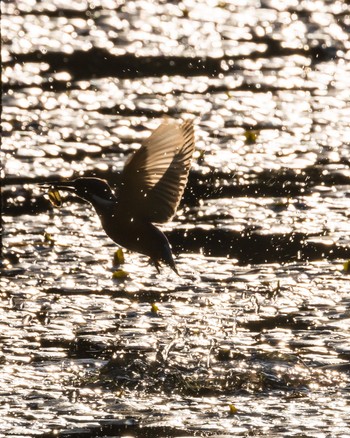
[68, 186]
[53, 190]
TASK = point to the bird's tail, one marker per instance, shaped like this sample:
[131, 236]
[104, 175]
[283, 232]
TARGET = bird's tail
[174, 268]
[168, 258]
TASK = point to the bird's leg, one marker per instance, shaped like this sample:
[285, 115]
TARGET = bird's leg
[156, 264]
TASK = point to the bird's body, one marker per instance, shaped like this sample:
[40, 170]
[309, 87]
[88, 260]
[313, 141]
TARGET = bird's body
[136, 234]
[153, 182]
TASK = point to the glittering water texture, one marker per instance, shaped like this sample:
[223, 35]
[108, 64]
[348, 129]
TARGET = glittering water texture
[253, 337]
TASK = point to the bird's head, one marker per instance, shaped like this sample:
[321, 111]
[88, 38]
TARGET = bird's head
[94, 190]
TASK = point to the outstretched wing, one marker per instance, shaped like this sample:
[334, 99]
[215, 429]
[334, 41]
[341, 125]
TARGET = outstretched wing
[155, 176]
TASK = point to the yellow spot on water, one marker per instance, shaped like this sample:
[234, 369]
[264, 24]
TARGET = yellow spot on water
[346, 266]
[155, 308]
[120, 274]
[49, 239]
[251, 136]
[233, 409]
[118, 258]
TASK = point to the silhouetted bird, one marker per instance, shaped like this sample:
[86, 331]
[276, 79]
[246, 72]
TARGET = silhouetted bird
[152, 184]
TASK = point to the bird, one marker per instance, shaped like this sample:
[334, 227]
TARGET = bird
[151, 187]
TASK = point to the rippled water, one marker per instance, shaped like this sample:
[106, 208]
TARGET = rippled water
[253, 338]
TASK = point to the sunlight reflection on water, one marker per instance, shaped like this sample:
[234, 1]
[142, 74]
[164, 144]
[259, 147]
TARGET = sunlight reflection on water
[262, 323]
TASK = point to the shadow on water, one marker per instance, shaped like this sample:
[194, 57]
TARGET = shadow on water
[98, 62]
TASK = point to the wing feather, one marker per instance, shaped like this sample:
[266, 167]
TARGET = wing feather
[155, 176]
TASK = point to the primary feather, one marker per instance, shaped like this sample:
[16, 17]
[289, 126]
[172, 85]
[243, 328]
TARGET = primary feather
[155, 177]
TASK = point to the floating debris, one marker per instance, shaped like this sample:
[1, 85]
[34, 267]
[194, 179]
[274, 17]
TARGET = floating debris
[154, 308]
[233, 409]
[120, 274]
[251, 136]
[49, 239]
[118, 258]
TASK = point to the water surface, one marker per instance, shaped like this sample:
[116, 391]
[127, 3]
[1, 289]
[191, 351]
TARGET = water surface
[253, 338]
